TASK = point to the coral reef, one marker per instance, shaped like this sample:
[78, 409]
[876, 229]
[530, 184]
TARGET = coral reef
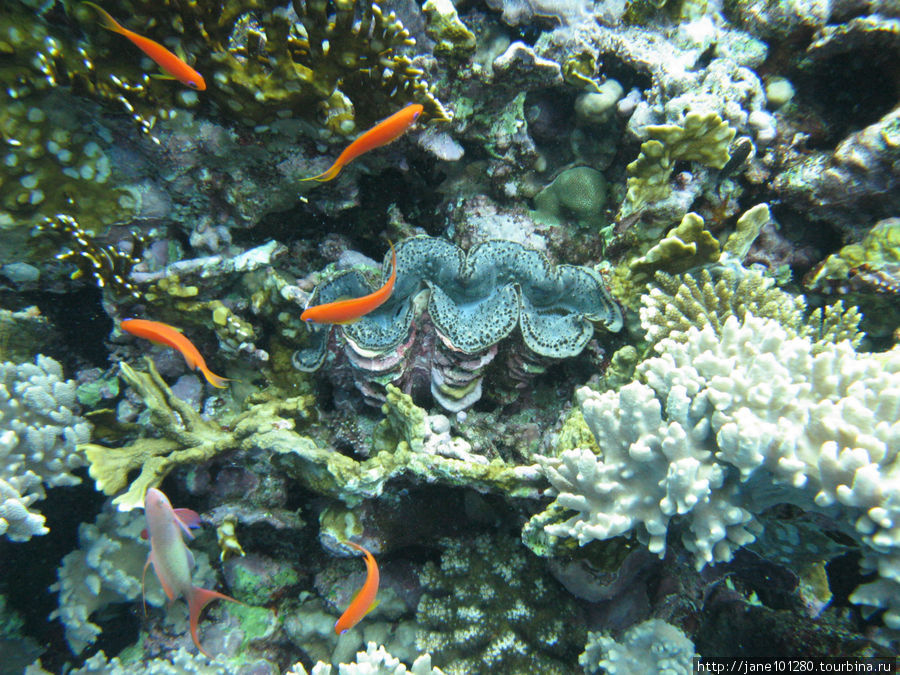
[39, 442]
[374, 661]
[703, 138]
[449, 310]
[488, 606]
[723, 425]
[187, 438]
[653, 646]
[724, 481]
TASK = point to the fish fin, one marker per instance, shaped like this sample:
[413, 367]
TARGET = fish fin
[215, 380]
[374, 604]
[162, 76]
[197, 600]
[106, 20]
[143, 579]
[188, 520]
[325, 176]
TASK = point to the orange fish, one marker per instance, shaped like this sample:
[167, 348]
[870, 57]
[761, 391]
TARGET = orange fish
[384, 132]
[352, 309]
[164, 334]
[162, 56]
[364, 601]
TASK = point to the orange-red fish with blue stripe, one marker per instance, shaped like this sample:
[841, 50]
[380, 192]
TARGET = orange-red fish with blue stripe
[387, 130]
[171, 64]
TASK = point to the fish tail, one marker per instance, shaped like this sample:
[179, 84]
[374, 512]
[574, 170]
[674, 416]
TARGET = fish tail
[326, 176]
[215, 380]
[105, 19]
[197, 600]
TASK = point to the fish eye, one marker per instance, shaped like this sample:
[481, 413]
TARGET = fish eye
[193, 85]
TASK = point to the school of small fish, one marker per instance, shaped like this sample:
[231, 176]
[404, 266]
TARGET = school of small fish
[170, 557]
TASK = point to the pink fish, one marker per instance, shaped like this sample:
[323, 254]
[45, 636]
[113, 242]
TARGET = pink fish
[171, 558]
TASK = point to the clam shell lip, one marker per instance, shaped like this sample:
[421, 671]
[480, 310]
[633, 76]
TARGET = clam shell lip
[477, 300]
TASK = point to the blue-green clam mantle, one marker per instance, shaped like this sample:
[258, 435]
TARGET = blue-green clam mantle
[473, 301]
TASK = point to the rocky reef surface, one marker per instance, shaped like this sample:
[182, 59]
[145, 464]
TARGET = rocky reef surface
[634, 395]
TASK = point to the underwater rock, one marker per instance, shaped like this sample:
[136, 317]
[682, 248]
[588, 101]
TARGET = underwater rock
[450, 310]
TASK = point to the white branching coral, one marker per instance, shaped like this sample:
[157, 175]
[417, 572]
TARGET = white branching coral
[39, 433]
[653, 646]
[376, 660]
[729, 422]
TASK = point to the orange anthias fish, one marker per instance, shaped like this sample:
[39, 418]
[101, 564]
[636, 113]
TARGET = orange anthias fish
[164, 334]
[365, 599]
[165, 59]
[352, 309]
[384, 132]
[172, 560]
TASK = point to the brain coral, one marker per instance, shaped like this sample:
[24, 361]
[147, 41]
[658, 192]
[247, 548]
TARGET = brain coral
[449, 311]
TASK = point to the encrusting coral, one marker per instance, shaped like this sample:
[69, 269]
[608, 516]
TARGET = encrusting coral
[400, 449]
[40, 433]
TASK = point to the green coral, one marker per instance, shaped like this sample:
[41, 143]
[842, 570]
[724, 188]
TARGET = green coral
[489, 607]
[398, 451]
[678, 303]
[746, 230]
[689, 244]
[261, 66]
[578, 193]
[186, 437]
[443, 25]
[702, 137]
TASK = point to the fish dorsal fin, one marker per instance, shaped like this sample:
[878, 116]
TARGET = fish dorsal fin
[187, 520]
